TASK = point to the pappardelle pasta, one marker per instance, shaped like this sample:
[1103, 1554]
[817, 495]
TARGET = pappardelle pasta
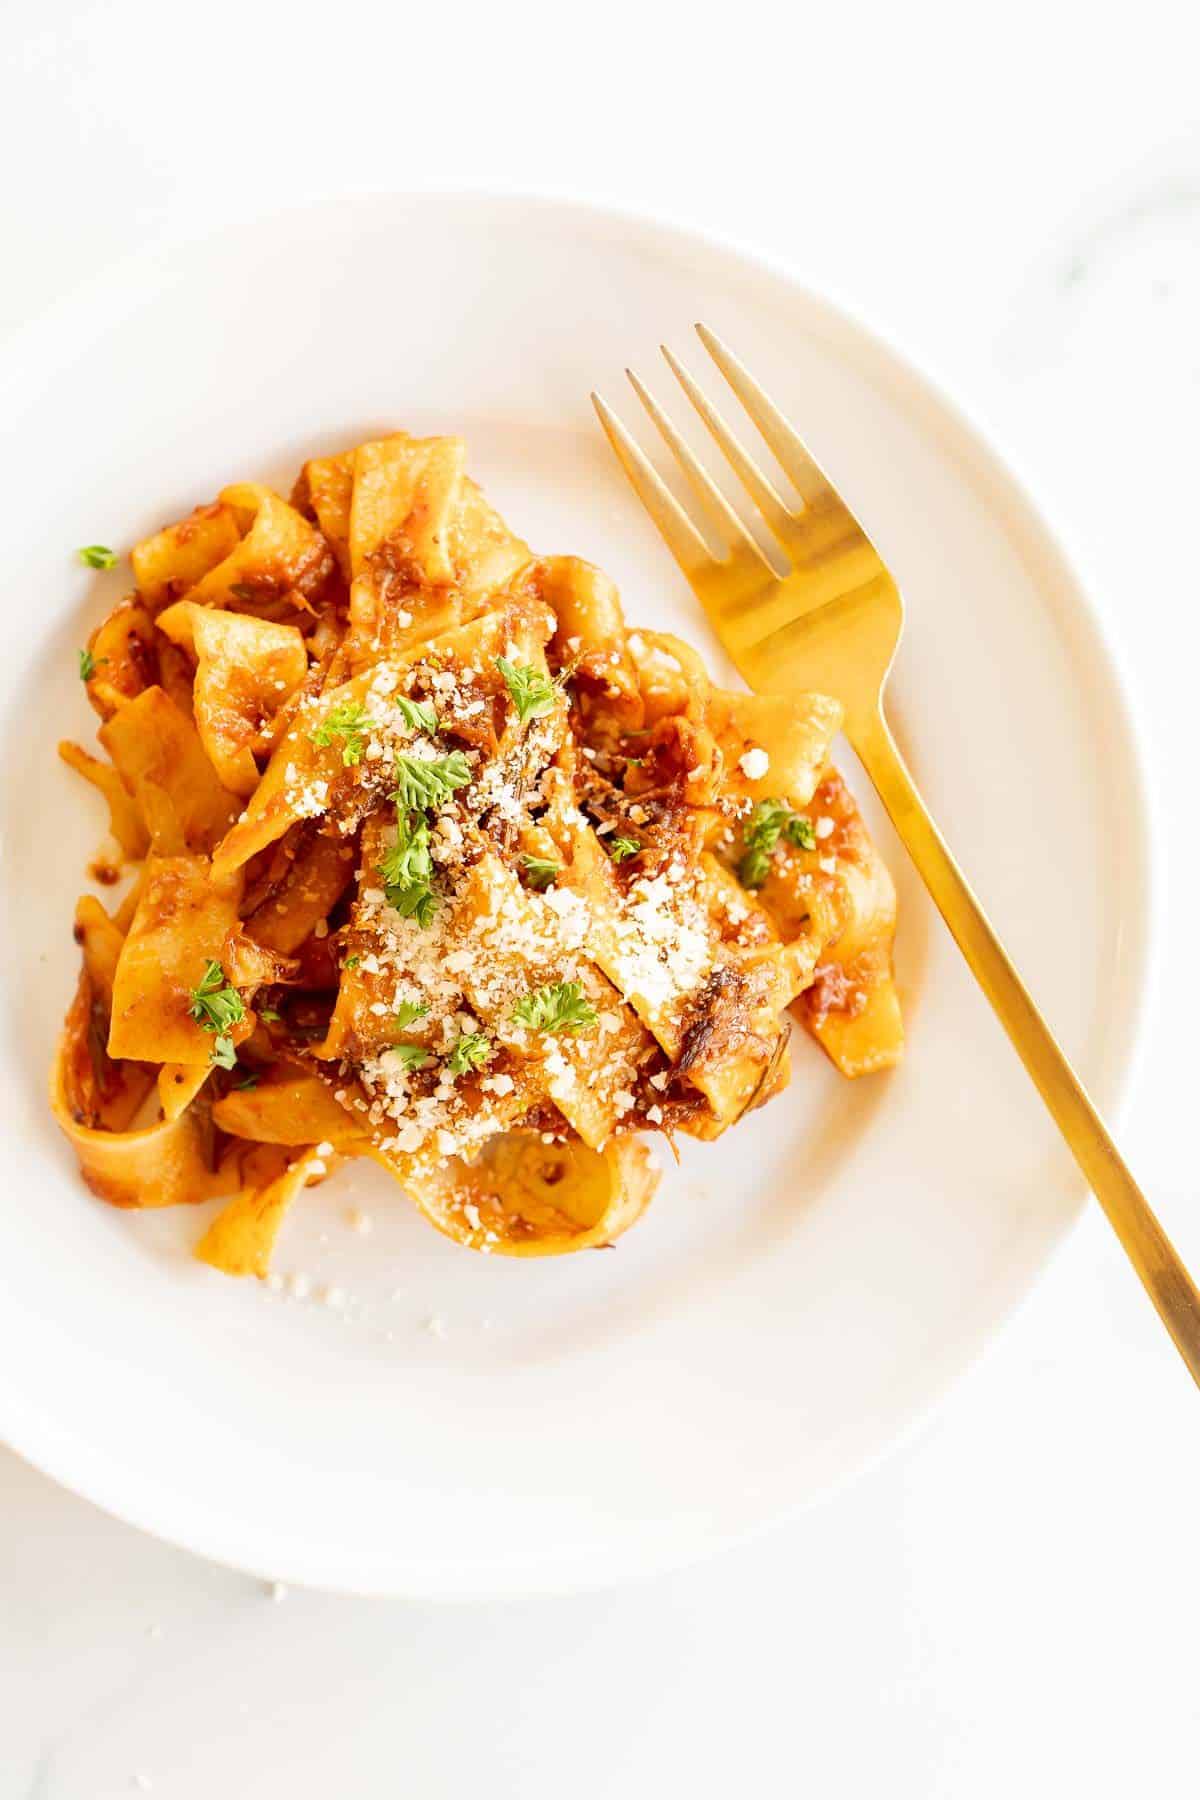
[436, 862]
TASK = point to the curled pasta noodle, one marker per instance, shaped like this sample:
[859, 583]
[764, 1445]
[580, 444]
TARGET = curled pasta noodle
[178, 1084]
[323, 493]
[172, 561]
[241, 1237]
[245, 669]
[441, 866]
[157, 752]
[181, 924]
[125, 817]
[302, 895]
[281, 556]
[522, 1197]
[166, 1163]
[589, 637]
[425, 550]
[124, 657]
[294, 1109]
[852, 1007]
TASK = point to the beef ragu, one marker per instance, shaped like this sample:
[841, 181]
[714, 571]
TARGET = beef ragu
[433, 861]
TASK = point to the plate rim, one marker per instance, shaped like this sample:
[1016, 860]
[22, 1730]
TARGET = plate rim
[979, 447]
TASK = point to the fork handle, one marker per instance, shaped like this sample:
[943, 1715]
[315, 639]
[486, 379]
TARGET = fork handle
[1143, 1239]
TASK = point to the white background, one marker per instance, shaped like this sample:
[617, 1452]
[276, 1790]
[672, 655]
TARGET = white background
[1013, 194]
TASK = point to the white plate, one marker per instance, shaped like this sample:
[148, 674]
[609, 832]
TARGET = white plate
[798, 1293]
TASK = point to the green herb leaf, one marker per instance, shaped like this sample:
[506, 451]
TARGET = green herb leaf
[247, 1081]
[769, 821]
[352, 962]
[407, 871]
[407, 867]
[224, 1056]
[349, 724]
[422, 784]
[413, 1056]
[472, 1051]
[420, 904]
[216, 1006]
[560, 1006]
[98, 556]
[754, 868]
[621, 847]
[799, 831]
[87, 665]
[540, 871]
[409, 1011]
[531, 691]
[418, 715]
[267, 1013]
[408, 860]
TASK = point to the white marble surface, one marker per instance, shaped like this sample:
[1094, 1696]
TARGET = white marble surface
[1013, 194]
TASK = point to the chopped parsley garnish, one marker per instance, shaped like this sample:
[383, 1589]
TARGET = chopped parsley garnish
[216, 1006]
[409, 1011]
[422, 784]
[413, 1056]
[417, 714]
[531, 690]
[540, 871]
[247, 1081]
[352, 962]
[267, 1013]
[416, 903]
[347, 723]
[561, 1006]
[770, 821]
[88, 665]
[98, 556]
[407, 871]
[408, 860]
[621, 847]
[472, 1051]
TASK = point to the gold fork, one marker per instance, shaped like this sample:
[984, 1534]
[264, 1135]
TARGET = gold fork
[833, 624]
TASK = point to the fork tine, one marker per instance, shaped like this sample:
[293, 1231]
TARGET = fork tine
[789, 451]
[751, 477]
[719, 508]
[684, 541]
